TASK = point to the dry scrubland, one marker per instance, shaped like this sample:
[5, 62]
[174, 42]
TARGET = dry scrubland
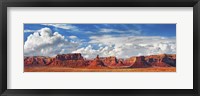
[65, 69]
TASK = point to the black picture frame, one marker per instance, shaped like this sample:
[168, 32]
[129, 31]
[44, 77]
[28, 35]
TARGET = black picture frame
[99, 3]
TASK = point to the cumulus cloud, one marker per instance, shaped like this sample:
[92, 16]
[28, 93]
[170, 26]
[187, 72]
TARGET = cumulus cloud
[63, 26]
[44, 42]
[90, 52]
[124, 47]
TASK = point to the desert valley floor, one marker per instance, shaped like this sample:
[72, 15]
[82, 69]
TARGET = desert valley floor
[65, 69]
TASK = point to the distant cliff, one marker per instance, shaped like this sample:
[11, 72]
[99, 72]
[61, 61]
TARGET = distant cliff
[75, 60]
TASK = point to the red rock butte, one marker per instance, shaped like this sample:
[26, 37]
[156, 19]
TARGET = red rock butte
[76, 60]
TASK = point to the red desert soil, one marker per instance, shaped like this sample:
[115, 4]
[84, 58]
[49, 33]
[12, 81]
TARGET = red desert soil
[65, 69]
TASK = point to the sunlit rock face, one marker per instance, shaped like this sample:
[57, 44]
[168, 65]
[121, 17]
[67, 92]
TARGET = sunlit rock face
[76, 60]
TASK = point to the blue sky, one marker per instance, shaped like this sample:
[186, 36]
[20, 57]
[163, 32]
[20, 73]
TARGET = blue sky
[96, 36]
[166, 30]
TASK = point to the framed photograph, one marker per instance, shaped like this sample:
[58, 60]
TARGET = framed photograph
[99, 47]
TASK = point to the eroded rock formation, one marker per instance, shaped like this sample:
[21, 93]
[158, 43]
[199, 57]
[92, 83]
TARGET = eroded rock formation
[75, 60]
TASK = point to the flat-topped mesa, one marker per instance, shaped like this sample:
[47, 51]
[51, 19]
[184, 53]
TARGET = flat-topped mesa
[37, 61]
[110, 61]
[159, 56]
[72, 56]
[162, 56]
[69, 60]
[76, 60]
[138, 62]
[162, 60]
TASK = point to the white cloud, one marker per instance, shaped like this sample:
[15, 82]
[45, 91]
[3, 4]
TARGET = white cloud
[62, 26]
[90, 52]
[106, 30]
[45, 43]
[124, 47]
[26, 31]
[72, 37]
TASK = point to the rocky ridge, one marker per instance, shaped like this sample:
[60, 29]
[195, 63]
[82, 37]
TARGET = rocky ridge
[76, 60]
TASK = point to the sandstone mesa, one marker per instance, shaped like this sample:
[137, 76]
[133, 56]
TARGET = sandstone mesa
[76, 60]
